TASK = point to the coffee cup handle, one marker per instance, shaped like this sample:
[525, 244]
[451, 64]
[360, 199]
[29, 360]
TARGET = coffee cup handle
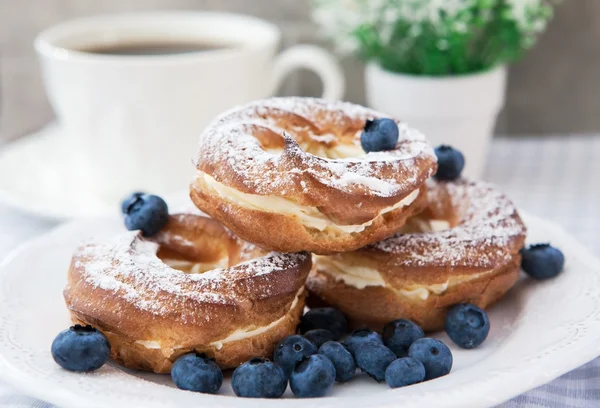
[315, 59]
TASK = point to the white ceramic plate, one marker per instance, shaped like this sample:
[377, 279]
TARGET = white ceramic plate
[539, 331]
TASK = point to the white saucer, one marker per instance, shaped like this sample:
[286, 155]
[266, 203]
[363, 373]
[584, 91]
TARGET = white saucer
[40, 175]
[539, 331]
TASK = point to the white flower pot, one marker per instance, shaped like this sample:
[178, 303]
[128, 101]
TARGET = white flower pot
[460, 111]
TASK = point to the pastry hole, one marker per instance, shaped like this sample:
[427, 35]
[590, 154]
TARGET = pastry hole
[201, 263]
[328, 150]
[321, 143]
[195, 267]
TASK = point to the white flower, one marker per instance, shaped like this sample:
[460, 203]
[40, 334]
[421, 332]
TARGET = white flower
[340, 19]
[521, 10]
[418, 11]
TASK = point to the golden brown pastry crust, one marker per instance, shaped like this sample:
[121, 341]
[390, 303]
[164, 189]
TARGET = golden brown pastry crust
[374, 306]
[475, 261]
[296, 149]
[152, 313]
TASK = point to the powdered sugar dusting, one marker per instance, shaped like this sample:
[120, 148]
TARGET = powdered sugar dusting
[128, 265]
[488, 228]
[382, 187]
[232, 140]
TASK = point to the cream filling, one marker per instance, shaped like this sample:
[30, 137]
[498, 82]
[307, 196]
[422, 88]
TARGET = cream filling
[431, 225]
[196, 267]
[356, 276]
[154, 345]
[237, 335]
[361, 277]
[309, 216]
[241, 334]
[438, 225]
[149, 344]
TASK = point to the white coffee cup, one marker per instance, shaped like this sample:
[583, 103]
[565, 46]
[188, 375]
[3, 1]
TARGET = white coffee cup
[135, 119]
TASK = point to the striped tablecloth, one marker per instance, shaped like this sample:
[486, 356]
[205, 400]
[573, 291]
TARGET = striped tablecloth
[555, 177]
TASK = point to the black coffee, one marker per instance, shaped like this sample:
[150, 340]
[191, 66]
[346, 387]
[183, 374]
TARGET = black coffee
[153, 48]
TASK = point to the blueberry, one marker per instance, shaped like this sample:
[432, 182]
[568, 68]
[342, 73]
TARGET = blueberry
[399, 334]
[361, 336]
[373, 358]
[404, 371]
[259, 378]
[291, 351]
[435, 356]
[542, 261]
[313, 377]
[341, 358]
[318, 336]
[451, 163]
[80, 348]
[148, 213]
[324, 318]
[379, 135]
[196, 372]
[467, 325]
[130, 200]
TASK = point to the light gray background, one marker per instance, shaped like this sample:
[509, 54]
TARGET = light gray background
[555, 89]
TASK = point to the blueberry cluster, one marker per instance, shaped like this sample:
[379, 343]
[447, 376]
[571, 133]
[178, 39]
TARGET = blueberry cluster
[402, 356]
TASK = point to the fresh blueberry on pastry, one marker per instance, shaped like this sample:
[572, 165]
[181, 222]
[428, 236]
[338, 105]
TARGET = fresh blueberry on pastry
[379, 135]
